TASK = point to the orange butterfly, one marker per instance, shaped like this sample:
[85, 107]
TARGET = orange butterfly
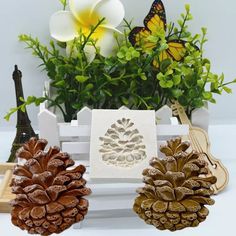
[154, 22]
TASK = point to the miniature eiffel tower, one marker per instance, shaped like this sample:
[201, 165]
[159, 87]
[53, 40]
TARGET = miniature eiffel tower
[24, 130]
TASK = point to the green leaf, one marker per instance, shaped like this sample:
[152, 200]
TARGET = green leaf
[198, 103]
[213, 100]
[200, 83]
[60, 83]
[81, 78]
[207, 95]
[205, 61]
[156, 99]
[189, 17]
[169, 72]
[107, 92]
[10, 113]
[217, 91]
[180, 22]
[22, 99]
[204, 30]
[165, 64]
[107, 76]
[64, 3]
[160, 76]
[166, 83]
[143, 76]
[50, 66]
[193, 92]
[135, 54]
[133, 86]
[30, 99]
[38, 101]
[63, 70]
[177, 93]
[120, 55]
[89, 86]
[177, 79]
[187, 8]
[125, 101]
[22, 37]
[61, 44]
[227, 89]
[208, 66]
[183, 100]
[23, 108]
[128, 56]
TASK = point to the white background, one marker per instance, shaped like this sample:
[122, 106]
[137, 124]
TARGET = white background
[32, 17]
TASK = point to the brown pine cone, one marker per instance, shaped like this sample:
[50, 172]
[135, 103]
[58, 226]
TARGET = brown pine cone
[175, 190]
[49, 198]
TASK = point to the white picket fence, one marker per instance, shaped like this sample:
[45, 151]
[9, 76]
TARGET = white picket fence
[74, 137]
[107, 199]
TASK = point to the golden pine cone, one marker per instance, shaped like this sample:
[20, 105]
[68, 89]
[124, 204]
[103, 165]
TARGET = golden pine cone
[175, 190]
[49, 198]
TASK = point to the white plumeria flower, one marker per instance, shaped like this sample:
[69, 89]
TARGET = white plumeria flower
[84, 14]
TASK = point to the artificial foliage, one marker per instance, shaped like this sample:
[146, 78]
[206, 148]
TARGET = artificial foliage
[176, 189]
[128, 76]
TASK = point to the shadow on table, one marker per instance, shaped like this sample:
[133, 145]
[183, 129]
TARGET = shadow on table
[114, 220]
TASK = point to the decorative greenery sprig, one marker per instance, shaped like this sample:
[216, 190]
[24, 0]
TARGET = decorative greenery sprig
[64, 3]
[128, 77]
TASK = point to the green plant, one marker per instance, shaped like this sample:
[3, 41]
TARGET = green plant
[128, 77]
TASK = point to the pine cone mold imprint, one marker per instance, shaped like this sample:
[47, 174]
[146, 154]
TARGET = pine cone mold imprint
[123, 145]
[49, 198]
[175, 190]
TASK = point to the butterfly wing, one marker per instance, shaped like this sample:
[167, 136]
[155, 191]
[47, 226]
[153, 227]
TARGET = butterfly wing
[176, 49]
[138, 34]
[156, 18]
[139, 37]
[153, 22]
[163, 56]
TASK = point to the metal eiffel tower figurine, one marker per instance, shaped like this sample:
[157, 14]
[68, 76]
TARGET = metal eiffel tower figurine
[24, 131]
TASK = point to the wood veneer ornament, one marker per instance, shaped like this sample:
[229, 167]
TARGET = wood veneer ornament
[49, 198]
[175, 191]
[200, 142]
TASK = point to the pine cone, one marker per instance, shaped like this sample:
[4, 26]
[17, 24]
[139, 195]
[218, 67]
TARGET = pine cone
[175, 190]
[49, 198]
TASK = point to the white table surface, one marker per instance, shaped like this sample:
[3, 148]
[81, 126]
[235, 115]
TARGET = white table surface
[220, 221]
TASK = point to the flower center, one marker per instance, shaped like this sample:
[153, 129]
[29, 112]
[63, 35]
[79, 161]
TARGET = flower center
[89, 20]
